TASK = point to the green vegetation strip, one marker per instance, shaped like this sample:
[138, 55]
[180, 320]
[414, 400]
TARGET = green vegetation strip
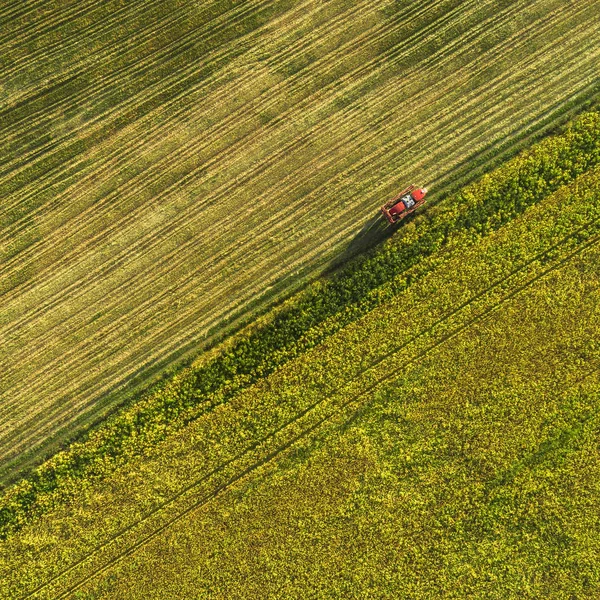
[452, 341]
[313, 316]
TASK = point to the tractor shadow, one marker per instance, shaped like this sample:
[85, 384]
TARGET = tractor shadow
[372, 233]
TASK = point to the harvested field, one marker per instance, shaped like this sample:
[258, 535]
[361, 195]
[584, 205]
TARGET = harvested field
[444, 444]
[131, 134]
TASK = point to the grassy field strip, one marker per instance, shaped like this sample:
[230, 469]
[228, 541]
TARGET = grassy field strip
[134, 140]
[101, 19]
[450, 332]
[344, 413]
[18, 13]
[11, 10]
[437, 409]
[301, 13]
[146, 62]
[64, 16]
[234, 118]
[148, 94]
[116, 73]
[57, 15]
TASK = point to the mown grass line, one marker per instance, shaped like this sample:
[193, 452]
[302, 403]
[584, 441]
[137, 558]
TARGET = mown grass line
[104, 84]
[552, 251]
[148, 102]
[96, 31]
[144, 63]
[63, 17]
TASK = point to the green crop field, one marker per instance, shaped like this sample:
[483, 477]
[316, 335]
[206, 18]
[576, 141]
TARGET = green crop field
[222, 375]
[170, 167]
[435, 437]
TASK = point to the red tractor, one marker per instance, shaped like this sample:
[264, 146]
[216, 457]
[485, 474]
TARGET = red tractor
[404, 203]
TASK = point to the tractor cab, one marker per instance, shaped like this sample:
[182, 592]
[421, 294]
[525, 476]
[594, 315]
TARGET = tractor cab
[406, 202]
